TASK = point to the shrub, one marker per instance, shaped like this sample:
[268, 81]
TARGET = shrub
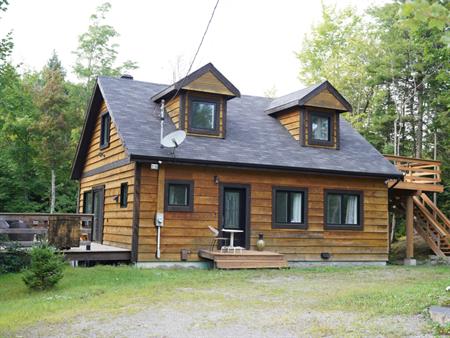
[13, 259]
[46, 268]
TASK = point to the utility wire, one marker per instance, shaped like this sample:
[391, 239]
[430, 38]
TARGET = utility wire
[198, 49]
[195, 55]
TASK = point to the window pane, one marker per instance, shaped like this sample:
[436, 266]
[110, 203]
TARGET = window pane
[350, 207]
[203, 114]
[281, 207]
[123, 194]
[320, 128]
[296, 207]
[87, 202]
[178, 194]
[231, 209]
[333, 209]
[104, 133]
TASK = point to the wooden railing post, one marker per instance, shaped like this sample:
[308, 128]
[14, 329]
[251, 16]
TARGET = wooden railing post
[409, 260]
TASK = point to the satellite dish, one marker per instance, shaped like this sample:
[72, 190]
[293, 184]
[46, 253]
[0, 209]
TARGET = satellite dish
[173, 139]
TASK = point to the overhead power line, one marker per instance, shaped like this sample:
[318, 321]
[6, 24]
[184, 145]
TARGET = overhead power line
[198, 48]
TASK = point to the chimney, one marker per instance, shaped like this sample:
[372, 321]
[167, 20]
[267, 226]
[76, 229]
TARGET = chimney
[127, 76]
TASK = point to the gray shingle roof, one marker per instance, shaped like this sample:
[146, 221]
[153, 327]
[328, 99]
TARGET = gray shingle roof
[253, 138]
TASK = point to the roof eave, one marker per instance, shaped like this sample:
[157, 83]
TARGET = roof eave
[144, 158]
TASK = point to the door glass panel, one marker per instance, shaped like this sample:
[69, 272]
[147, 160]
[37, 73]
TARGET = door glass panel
[231, 209]
[96, 211]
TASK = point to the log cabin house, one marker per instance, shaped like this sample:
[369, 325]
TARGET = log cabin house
[290, 168]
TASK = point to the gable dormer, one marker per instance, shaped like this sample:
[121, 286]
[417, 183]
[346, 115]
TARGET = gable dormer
[311, 115]
[197, 103]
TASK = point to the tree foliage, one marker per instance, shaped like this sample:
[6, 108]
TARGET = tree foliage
[41, 114]
[97, 53]
[391, 63]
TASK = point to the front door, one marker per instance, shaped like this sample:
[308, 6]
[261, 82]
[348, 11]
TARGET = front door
[235, 213]
[98, 195]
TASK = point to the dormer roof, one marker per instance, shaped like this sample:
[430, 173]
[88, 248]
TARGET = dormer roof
[208, 73]
[305, 96]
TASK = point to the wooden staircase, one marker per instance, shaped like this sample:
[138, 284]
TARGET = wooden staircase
[432, 225]
[422, 176]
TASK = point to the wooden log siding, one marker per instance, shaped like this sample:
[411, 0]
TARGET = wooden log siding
[188, 230]
[291, 121]
[173, 110]
[97, 157]
[117, 227]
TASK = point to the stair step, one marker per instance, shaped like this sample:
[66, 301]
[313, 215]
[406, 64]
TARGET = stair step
[246, 264]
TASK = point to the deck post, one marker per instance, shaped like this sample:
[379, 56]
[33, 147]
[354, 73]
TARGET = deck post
[409, 259]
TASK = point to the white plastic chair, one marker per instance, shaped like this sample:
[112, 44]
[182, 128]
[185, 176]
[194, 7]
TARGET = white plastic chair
[216, 238]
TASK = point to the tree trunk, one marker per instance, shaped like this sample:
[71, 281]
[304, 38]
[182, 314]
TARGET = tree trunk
[53, 193]
[419, 130]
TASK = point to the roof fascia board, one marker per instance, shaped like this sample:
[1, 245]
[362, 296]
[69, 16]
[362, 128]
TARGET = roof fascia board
[194, 76]
[140, 158]
[94, 101]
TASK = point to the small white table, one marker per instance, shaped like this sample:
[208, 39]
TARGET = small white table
[232, 247]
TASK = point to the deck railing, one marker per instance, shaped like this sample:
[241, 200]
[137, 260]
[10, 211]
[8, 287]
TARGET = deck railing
[61, 230]
[418, 171]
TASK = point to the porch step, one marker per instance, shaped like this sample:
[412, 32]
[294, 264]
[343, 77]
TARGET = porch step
[250, 264]
[247, 259]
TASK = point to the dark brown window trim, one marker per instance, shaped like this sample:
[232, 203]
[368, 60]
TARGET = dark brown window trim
[304, 225]
[359, 226]
[105, 144]
[216, 130]
[330, 116]
[123, 197]
[186, 208]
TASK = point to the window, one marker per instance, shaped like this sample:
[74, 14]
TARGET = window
[179, 195]
[289, 208]
[320, 129]
[104, 130]
[343, 209]
[123, 195]
[204, 116]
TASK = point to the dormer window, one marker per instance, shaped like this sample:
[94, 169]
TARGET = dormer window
[320, 128]
[311, 115]
[203, 116]
[105, 130]
[198, 102]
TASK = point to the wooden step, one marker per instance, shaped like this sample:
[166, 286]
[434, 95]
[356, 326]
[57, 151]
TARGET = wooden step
[246, 264]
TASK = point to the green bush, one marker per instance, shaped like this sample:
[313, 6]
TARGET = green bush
[13, 259]
[46, 268]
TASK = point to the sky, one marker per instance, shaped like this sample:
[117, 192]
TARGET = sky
[253, 43]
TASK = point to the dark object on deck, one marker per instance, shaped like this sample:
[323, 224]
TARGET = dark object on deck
[19, 224]
[184, 254]
[325, 255]
[260, 244]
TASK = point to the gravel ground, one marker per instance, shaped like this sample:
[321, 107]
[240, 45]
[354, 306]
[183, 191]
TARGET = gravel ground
[206, 312]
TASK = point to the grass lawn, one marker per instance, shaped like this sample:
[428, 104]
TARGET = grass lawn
[314, 301]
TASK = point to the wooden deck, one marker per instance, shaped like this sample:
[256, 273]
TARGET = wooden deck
[98, 252]
[247, 259]
[420, 175]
